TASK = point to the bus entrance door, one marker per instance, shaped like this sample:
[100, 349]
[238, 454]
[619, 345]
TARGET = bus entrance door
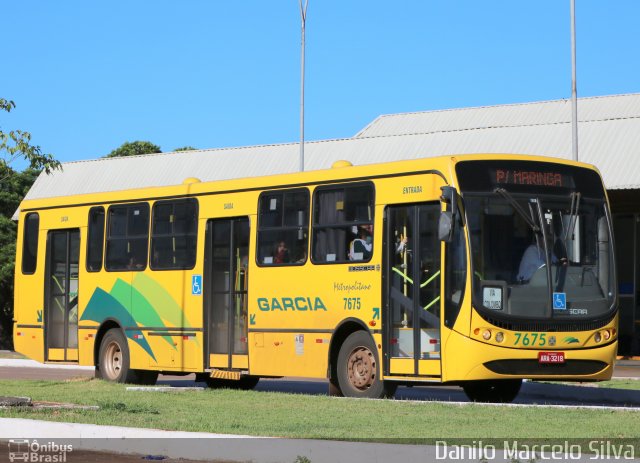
[412, 308]
[225, 293]
[61, 295]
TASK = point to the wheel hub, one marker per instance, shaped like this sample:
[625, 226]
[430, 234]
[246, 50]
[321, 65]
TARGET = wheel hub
[361, 368]
[113, 361]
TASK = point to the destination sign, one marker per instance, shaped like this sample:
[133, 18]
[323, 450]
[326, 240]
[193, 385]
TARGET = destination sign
[527, 177]
[531, 178]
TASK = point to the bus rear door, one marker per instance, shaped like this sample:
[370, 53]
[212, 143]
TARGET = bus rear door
[225, 293]
[61, 295]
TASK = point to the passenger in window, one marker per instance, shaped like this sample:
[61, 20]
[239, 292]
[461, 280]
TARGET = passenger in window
[281, 254]
[361, 248]
[302, 256]
[401, 244]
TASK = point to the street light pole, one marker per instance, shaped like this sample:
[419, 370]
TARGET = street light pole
[574, 90]
[303, 17]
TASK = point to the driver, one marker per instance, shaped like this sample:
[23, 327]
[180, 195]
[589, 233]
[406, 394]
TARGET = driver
[534, 258]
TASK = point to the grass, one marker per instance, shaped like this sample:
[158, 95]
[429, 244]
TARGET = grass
[305, 416]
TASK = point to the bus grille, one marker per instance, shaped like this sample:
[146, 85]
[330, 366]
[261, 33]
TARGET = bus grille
[546, 326]
[531, 367]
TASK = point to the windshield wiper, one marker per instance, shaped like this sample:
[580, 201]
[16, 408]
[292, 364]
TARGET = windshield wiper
[519, 209]
[573, 214]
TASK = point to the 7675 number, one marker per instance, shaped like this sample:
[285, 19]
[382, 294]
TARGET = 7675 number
[531, 339]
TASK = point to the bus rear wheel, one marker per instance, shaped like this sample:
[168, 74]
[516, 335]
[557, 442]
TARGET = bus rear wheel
[114, 361]
[493, 391]
[358, 372]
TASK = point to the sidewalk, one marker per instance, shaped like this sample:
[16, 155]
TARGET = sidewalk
[205, 446]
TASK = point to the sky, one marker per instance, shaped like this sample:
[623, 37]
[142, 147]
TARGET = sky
[88, 76]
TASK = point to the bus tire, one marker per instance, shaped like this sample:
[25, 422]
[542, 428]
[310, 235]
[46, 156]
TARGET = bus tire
[114, 360]
[494, 391]
[358, 371]
[334, 388]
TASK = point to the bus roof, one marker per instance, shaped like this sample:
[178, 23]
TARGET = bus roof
[194, 184]
[609, 131]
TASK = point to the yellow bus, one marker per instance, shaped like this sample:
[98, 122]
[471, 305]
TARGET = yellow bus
[475, 270]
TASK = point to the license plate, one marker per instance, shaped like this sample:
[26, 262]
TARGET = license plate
[550, 357]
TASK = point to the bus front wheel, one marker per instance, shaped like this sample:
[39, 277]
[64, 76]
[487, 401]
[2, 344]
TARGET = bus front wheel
[494, 391]
[358, 373]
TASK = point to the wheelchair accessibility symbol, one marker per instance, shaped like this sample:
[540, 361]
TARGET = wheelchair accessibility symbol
[559, 301]
[196, 285]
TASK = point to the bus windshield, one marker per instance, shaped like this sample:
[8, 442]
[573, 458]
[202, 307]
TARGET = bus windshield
[541, 247]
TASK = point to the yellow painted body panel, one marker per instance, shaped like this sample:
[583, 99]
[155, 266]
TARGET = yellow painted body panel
[86, 344]
[283, 355]
[294, 310]
[402, 366]
[240, 362]
[219, 360]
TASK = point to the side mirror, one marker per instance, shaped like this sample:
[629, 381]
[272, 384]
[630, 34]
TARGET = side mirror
[445, 226]
[447, 218]
[449, 196]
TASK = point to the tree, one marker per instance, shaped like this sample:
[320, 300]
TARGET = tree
[13, 187]
[134, 148]
[17, 143]
[185, 148]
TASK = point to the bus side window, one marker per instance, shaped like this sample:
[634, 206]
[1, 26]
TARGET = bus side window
[283, 227]
[174, 234]
[343, 223]
[95, 239]
[30, 243]
[127, 237]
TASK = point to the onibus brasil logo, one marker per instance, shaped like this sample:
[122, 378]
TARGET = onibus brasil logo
[33, 451]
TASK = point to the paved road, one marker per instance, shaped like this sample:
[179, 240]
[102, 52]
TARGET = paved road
[531, 393]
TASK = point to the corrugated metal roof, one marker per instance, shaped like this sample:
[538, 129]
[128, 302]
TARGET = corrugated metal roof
[514, 115]
[609, 131]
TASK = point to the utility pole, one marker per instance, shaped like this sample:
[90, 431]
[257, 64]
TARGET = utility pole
[574, 90]
[303, 17]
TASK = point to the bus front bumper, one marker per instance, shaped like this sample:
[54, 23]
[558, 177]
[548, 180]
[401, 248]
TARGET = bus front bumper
[486, 361]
